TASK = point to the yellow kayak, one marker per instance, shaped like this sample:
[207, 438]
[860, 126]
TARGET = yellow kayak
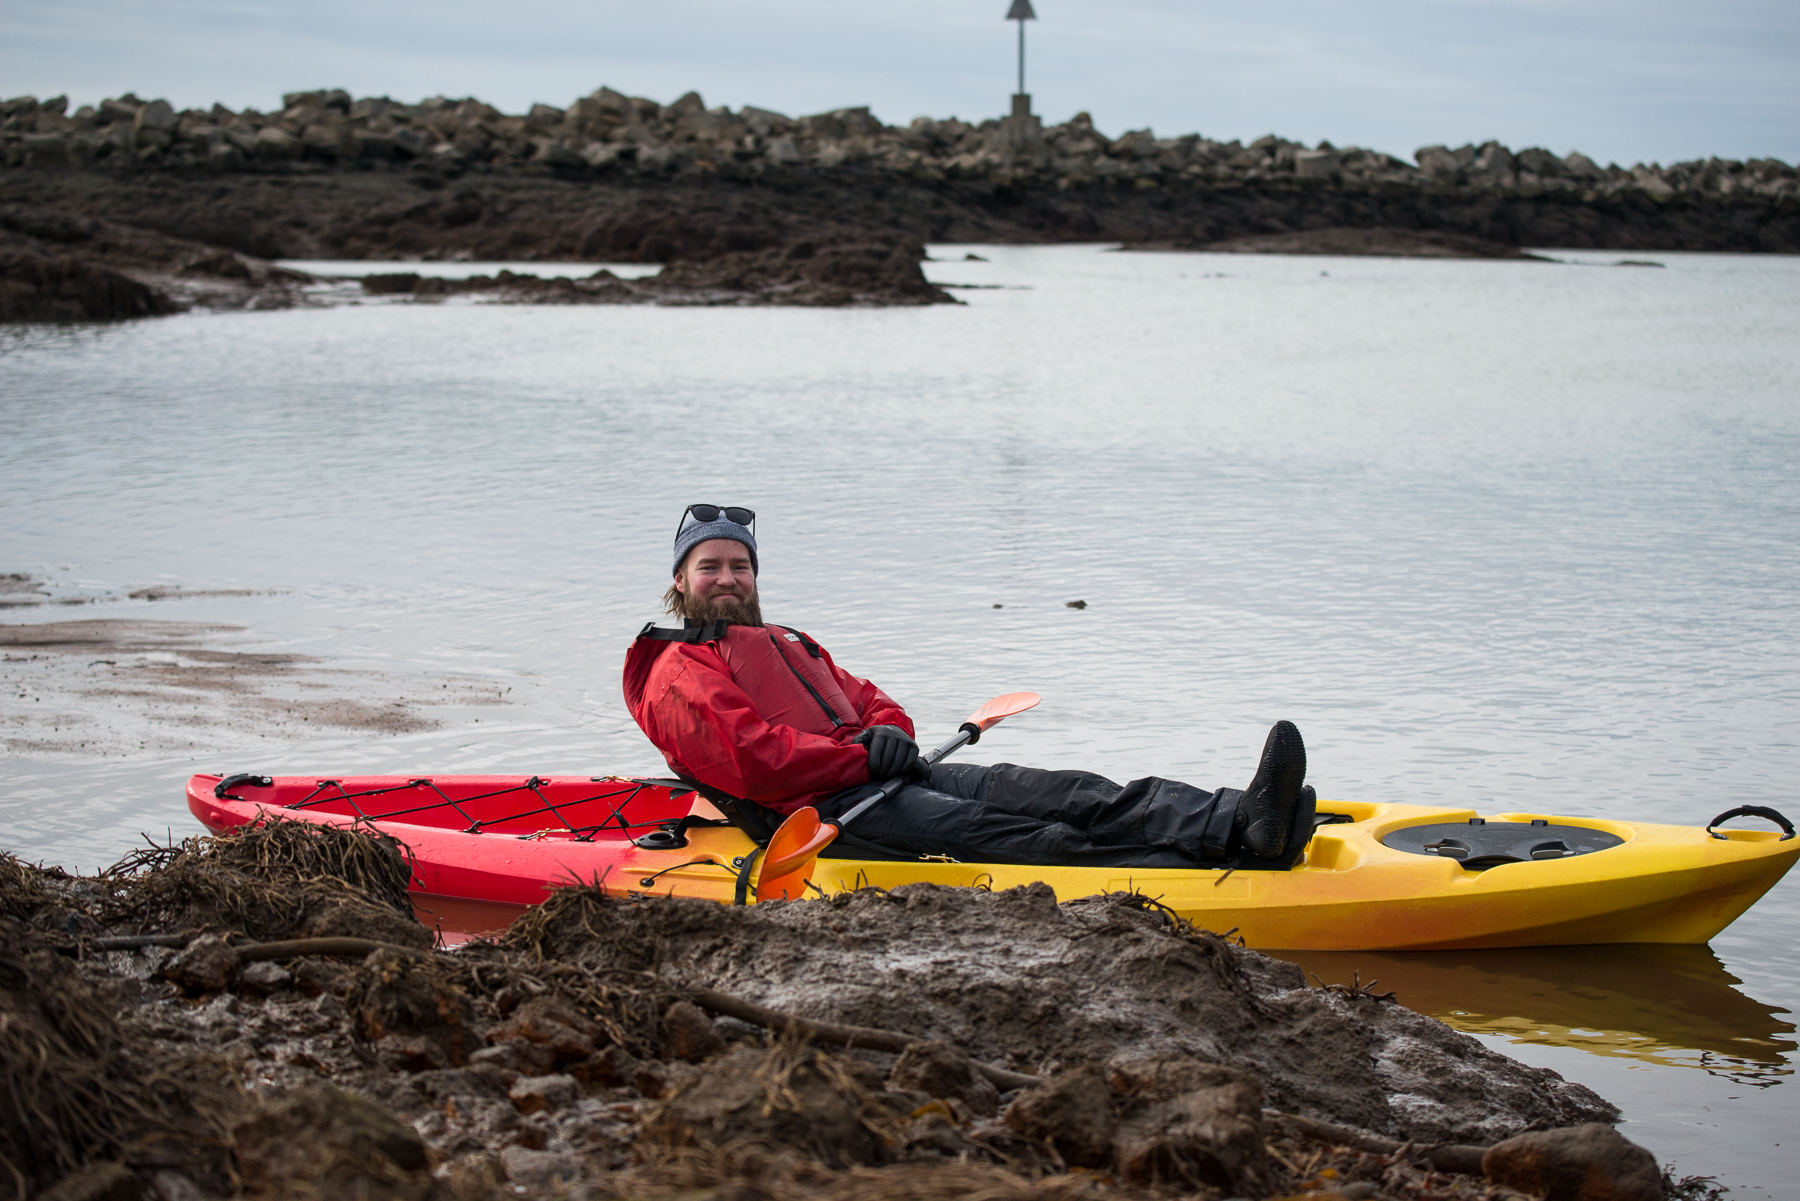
[1376, 877]
[1355, 891]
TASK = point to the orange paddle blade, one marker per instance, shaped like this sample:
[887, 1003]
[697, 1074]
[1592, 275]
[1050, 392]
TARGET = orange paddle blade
[1003, 707]
[788, 861]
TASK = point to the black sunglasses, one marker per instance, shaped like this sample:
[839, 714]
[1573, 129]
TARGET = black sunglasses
[705, 514]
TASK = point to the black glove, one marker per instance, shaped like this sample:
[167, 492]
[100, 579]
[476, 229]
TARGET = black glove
[891, 752]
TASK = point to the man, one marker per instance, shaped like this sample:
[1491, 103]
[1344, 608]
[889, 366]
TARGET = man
[761, 714]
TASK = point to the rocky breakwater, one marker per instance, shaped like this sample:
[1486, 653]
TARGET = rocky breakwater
[1065, 180]
[611, 132]
[261, 1015]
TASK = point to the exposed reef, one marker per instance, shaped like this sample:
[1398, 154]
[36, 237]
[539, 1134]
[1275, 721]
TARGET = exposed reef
[134, 209]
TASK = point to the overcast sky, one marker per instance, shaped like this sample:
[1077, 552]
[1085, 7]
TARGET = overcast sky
[1622, 80]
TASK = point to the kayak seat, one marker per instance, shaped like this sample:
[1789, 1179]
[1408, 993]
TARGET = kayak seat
[758, 822]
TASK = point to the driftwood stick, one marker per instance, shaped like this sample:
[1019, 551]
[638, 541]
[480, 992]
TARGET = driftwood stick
[837, 1035]
[1445, 1157]
[251, 952]
[338, 947]
[137, 942]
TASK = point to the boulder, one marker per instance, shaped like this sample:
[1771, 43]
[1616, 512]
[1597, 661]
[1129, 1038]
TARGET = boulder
[46, 150]
[158, 115]
[784, 152]
[1315, 164]
[1437, 164]
[1579, 1163]
[1582, 167]
[274, 142]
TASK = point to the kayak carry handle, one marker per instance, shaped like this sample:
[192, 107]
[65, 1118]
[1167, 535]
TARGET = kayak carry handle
[223, 788]
[1762, 811]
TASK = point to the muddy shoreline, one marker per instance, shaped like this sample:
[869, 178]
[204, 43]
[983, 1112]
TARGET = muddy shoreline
[262, 1015]
[105, 688]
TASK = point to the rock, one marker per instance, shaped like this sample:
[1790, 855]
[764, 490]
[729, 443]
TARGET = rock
[794, 1097]
[390, 284]
[1315, 164]
[543, 1094]
[689, 1034]
[265, 978]
[784, 152]
[474, 1176]
[156, 116]
[1496, 162]
[541, 1173]
[46, 150]
[1582, 167]
[274, 142]
[943, 1072]
[1203, 1123]
[554, 1025]
[517, 1055]
[1438, 164]
[207, 965]
[1581, 1163]
[399, 994]
[173, 1186]
[316, 1140]
[1072, 1112]
[103, 1181]
[610, 1068]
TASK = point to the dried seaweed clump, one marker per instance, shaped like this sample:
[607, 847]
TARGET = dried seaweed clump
[271, 880]
[73, 1092]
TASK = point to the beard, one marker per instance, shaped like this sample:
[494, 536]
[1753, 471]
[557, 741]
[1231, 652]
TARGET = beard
[738, 610]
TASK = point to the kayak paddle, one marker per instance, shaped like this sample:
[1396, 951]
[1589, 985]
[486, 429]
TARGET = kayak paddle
[788, 861]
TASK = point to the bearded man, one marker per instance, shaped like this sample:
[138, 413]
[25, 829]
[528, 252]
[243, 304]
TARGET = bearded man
[763, 721]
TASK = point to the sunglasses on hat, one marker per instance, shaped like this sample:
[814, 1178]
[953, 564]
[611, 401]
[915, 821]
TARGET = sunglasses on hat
[706, 514]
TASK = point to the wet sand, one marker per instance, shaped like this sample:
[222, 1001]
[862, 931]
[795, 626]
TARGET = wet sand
[104, 688]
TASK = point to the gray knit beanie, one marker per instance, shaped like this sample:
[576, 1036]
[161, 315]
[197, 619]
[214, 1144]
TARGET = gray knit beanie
[691, 536]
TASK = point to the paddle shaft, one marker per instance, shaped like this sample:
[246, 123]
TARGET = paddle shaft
[967, 734]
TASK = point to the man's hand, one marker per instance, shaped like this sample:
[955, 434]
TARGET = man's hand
[891, 752]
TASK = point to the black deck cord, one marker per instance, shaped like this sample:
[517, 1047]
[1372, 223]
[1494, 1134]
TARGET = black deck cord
[647, 881]
[1762, 811]
[742, 895]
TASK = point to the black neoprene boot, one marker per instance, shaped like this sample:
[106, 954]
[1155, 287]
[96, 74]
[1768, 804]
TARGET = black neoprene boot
[1268, 807]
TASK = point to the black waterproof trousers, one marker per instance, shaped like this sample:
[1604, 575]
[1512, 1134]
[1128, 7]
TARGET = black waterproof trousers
[1027, 815]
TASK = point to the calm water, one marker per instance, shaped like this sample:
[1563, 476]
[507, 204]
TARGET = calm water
[1507, 534]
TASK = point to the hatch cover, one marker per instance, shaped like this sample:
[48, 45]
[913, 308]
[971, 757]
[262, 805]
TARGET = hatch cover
[1479, 843]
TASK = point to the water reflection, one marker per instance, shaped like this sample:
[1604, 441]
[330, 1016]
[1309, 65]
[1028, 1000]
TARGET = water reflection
[1674, 1006]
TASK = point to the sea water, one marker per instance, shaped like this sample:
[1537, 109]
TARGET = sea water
[1501, 534]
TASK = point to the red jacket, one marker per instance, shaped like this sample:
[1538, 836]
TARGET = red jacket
[759, 712]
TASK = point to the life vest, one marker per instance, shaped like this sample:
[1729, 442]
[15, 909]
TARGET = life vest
[780, 669]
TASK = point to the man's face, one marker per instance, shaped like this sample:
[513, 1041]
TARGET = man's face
[718, 570]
